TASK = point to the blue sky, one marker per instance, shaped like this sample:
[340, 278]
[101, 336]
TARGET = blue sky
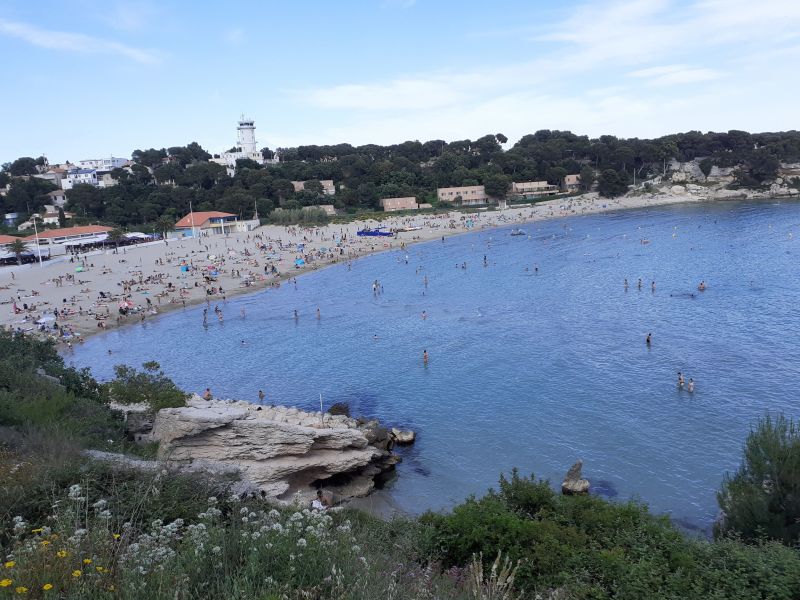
[85, 78]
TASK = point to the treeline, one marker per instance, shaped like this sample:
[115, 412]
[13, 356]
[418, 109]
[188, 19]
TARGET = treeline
[163, 182]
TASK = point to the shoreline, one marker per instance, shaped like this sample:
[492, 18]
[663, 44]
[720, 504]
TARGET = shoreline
[318, 251]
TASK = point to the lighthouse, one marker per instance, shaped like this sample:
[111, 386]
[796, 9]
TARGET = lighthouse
[247, 136]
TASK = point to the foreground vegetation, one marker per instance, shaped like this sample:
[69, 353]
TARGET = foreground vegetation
[75, 527]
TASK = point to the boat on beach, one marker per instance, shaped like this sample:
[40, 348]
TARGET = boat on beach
[377, 232]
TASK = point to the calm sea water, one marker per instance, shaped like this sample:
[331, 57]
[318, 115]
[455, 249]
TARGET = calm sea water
[527, 369]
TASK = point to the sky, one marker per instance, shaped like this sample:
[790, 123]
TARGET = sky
[89, 79]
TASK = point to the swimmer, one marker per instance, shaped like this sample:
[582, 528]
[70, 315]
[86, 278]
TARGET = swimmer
[702, 286]
[424, 315]
[653, 286]
[639, 283]
[318, 314]
[242, 342]
[296, 316]
[648, 339]
[680, 380]
[425, 356]
[625, 283]
[690, 386]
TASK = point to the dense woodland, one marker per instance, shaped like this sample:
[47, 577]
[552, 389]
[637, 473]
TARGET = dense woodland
[163, 182]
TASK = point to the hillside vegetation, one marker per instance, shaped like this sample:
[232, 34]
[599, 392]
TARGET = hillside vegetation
[162, 183]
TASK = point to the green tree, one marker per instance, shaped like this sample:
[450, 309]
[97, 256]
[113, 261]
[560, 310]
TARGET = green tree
[705, 166]
[501, 139]
[115, 236]
[62, 218]
[611, 184]
[149, 386]
[762, 498]
[164, 225]
[496, 185]
[18, 248]
[587, 177]
[23, 166]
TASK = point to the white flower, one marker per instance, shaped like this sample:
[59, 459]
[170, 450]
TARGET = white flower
[216, 550]
[302, 542]
[356, 548]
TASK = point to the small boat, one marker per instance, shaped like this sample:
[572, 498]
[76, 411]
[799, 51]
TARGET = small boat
[518, 232]
[377, 232]
[409, 228]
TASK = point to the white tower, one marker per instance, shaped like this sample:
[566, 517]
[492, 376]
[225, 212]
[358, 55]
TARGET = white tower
[247, 136]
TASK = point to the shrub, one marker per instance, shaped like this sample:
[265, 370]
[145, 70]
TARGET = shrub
[762, 498]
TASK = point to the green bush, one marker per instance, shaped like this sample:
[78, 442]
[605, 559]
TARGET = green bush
[762, 498]
[149, 386]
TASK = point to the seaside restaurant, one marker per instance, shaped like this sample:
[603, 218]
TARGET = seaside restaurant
[206, 223]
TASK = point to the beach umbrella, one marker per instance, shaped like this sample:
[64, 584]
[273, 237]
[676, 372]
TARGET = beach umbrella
[299, 262]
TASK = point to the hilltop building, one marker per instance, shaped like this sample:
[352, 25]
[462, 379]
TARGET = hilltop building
[246, 147]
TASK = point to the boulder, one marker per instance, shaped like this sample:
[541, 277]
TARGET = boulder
[280, 450]
[573, 483]
[403, 437]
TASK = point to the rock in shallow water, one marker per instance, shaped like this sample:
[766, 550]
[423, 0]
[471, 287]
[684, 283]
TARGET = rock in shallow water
[573, 483]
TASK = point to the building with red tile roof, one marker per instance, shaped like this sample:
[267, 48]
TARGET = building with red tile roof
[206, 222]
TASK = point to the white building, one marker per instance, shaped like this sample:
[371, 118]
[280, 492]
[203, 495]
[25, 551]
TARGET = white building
[102, 164]
[78, 176]
[246, 147]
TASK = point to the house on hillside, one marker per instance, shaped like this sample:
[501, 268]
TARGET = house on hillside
[532, 189]
[395, 204]
[465, 195]
[57, 198]
[328, 188]
[572, 183]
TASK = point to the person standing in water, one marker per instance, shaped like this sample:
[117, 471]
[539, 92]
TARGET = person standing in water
[260, 395]
[625, 284]
[690, 386]
[648, 339]
[425, 356]
[318, 314]
[680, 380]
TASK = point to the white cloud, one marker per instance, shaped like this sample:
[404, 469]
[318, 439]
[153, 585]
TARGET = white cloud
[615, 67]
[73, 42]
[675, 74]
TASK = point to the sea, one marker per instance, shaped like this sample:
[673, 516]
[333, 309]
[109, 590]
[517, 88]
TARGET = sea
[537, 352]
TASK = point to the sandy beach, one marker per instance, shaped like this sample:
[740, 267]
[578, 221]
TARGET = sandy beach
[72, 299]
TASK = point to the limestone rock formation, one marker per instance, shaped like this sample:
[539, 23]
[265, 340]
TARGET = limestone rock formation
[403, 436]
[279, 449]
[573, 482]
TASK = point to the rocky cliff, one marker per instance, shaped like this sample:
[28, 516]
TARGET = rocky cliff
[280, 450]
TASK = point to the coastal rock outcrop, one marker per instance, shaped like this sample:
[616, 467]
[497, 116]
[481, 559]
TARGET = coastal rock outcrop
[402, 436]
[281, 450]
[573, 483]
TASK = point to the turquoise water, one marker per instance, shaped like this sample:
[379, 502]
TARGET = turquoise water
[528, 369]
